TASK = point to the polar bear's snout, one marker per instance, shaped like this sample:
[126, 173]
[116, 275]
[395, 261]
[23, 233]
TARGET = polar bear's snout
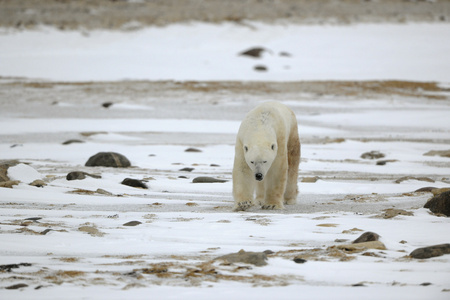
[259, 176]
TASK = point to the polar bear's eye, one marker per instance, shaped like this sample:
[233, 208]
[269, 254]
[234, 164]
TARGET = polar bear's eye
[245, 148]
[264, 162]
[273, 146]
[252, 162]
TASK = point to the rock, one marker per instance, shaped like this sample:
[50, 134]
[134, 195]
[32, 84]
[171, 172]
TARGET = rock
[393, 212]
[7, 268]
[310, 179]
[206, 179]
[414, 178]
[254, 52]
[4, 165]
[439, 191]
[385, 161]
[431, 251]
[108, 159]
[425, 189]
[104, 192]
[440, 204]
[260, 68]
[254, 258]
[91, 230]
[9, 183]
[78, 175]
[443, 153]
[68, 142]
[362, 246]
[299, 260]
[16, 286]
[285, 54]
[132, 223]
[367, 237]
[372, 155]
[107, 104]
[38, 183]
[187, 169]
[134, 183]
[192, 150]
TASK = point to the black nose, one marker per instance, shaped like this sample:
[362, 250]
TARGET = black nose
[259, 176]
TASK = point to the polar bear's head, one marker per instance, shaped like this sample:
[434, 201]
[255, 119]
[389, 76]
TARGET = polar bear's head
[260, 156]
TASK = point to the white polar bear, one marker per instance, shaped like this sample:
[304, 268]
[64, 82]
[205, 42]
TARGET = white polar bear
[267, 157]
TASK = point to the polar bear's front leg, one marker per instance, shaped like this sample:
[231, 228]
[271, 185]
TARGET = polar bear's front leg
[275, 186]
[243, 186]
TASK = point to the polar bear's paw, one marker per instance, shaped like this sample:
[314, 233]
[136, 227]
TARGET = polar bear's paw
[272, 206]
[242, 206]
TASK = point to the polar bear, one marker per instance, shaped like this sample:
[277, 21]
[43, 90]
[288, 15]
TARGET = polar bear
[267, 157]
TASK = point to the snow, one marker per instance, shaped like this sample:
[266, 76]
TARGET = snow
[183, 224]
[24, 173]
[200, 51]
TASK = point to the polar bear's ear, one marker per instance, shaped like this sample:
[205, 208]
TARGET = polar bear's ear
[273, 146]
[245, 148]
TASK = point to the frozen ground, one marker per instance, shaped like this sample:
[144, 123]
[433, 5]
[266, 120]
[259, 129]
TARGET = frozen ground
[78, 246]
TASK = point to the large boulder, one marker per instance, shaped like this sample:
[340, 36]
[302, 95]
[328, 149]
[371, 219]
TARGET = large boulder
[108, 159]
[440, 204]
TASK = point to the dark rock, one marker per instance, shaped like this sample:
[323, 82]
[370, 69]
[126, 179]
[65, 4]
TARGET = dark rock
[78, 175]
[108, 159]
[132, 223]
[16, 286]
[358, 284]
[440, 204]
[299, 260]
[385, 161]
[285, 54]
[260, 68]
[372, 155]
[68, 142]
[33, 219]
[107, 104]
[134, 183]
[367, 237]
[205, 179]
[7, 268]
[254, 52]
[187, 169]
[254, 258]
[192, 150]
[431, 251]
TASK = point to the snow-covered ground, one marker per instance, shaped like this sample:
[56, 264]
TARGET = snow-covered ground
[210, 52]
[88, 253]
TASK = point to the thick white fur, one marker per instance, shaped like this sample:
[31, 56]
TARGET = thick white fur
[267, 146]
